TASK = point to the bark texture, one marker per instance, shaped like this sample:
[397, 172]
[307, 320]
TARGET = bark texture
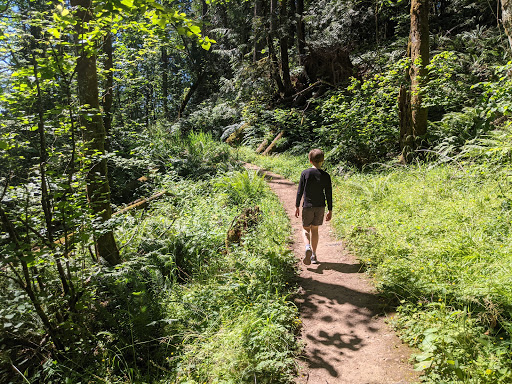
[98, 190]
[413, 116]
[506, 17]
[270, 148]
[283, 43]
[419, 52]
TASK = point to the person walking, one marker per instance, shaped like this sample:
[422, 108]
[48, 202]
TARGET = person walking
[315, 188]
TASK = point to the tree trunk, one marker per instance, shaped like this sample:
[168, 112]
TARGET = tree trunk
[262, 146]
[257, 22]
[270, 148]
[413, 117]
[283, 43]
[109, 87]
[270, 40]
[419, 43]
[165, 82]
[506, 17]
[404, 115]
[301, 31]
[98, 190]
[189, 94]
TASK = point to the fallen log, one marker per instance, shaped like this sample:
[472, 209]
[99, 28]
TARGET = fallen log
[137, 204]
[142, 203]
[262, 146]
[273, 143]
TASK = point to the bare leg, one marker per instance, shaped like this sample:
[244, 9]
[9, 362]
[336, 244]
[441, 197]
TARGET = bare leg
[306, 235]
[314, 238]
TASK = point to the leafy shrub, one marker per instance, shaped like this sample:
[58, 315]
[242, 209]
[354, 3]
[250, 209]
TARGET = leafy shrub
[454, 344]
[361, 123]
[211, 117]
[196, 155]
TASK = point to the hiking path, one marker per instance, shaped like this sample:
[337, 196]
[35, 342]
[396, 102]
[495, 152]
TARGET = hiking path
[347, 340]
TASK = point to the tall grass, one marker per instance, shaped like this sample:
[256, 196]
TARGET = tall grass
[439, 239]
[286, 165]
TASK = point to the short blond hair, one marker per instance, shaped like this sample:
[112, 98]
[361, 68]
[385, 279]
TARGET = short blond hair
[316, 156]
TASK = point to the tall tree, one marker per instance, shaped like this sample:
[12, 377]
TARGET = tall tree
[506, 17]
[283, 45]
[301, 31]
[98, 189]
[165, 82]
[413, 116]
[271, 50]
[257, 22]
[108, 95]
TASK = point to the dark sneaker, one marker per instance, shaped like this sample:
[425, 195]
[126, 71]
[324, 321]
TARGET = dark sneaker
[313, 259]
[307, 259]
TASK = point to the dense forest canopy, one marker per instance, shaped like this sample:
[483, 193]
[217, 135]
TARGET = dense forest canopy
[108, 101]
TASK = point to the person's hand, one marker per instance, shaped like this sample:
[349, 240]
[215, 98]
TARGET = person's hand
[297, 212]
[328, 216]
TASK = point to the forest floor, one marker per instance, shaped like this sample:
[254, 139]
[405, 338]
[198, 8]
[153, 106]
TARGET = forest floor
[346, 338]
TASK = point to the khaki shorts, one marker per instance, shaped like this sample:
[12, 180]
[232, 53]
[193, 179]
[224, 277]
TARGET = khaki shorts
[313, 216]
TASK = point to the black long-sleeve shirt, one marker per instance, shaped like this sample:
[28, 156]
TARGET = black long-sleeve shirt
[315, 185]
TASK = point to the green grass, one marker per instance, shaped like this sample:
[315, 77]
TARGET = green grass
[437, 239]
[284, 164]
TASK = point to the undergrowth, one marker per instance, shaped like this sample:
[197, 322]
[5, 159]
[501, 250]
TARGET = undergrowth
[438, 238]
[227, 318]
[185, 305]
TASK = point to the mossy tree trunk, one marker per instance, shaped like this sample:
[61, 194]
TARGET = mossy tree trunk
[283, 44]
[98, 190]
[413, 119]
[506, 17]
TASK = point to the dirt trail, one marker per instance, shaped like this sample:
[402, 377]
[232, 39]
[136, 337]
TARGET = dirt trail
[344, 330]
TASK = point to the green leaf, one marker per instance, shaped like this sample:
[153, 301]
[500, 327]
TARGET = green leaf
[423, 365]
[4, 145]
[127, 3]
[54, 32]
[195, 30]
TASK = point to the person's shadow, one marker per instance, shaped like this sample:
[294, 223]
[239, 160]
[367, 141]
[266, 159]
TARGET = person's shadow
[338, 267]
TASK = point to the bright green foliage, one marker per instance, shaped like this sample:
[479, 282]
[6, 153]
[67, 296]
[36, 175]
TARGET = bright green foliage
[286, 165]
[439, 236]
[454, 345]
[181, 307]
[241, 187]
[361, 123]
[231, 322]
